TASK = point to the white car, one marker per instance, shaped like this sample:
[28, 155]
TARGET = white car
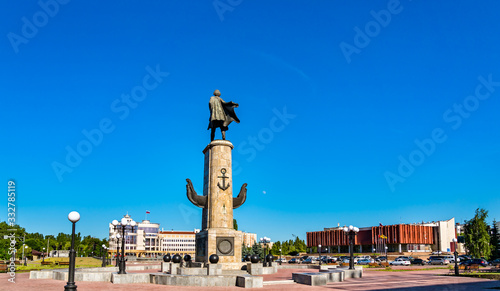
[400, 262]
[451, 259]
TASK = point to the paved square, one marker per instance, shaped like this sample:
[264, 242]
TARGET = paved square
[372, 280]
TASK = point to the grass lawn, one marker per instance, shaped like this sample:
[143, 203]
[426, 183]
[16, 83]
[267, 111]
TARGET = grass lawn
[484, 275]
[80, 263]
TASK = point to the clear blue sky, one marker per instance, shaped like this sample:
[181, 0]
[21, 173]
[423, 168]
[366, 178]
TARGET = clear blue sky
[352, 112]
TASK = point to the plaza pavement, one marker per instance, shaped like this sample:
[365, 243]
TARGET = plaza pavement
[372, 280]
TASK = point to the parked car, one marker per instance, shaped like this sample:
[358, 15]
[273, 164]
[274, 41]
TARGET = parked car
[404, 258]
[400, 262]
[464, 258]
[330, 261]
[474, 262]
[364, 261]
[439, 261]
[381, 258]
[451, 259]
[282, 260]
[294, 261]
[494, 262]
[417, 262]
[307, 261]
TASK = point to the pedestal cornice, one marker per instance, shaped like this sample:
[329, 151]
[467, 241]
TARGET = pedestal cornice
[218, 142]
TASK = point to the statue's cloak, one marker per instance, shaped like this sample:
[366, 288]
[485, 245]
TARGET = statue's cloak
[221, 113]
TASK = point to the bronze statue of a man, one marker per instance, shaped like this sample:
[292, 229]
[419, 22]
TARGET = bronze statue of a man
[221, 114]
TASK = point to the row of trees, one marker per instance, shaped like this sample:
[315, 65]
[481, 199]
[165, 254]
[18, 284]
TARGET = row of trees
[289, 247]
[85, 246]
[481, 239]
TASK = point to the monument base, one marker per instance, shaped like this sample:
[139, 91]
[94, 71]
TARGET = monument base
[224, 242]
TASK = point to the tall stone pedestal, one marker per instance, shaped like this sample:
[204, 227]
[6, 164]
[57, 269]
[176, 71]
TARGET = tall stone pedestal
[217, 235]
[226, 243]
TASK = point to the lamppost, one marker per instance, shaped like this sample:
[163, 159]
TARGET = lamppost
[386, 259]
[124, 224]
[280, 257]
[43, 256]
[265, 240]
[73, 217]
[103, 249]
[117, 256]
[454, 240]
[25, 263]
[319, 254]
[351, 231]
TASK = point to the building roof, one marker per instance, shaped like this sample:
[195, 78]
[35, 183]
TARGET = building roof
[176, 232]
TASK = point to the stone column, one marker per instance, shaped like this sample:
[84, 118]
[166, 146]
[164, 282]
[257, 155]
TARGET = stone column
[218, 185]
[218, 235]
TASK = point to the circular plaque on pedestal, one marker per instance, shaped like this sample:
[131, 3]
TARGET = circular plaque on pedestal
[225, 246]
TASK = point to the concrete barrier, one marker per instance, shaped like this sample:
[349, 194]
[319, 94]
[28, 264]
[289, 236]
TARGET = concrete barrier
[334, 275]
[259, 269]
[194, 280]
[41, 274]
[130, 278]
[312, 279]
[248, 281]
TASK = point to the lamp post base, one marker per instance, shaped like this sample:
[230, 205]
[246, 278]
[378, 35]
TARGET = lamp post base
[122, 267]
[70, 286]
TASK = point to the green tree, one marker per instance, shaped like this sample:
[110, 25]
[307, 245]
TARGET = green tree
[477, 238]
[300, 245]
[275, 250]
[257, 250]
[245, 251]
[285, 248]
[235, 224]
[494, 241]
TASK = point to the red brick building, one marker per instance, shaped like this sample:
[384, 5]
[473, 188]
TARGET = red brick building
[397, 238]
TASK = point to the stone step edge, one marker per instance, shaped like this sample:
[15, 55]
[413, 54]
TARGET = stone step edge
[278, 282]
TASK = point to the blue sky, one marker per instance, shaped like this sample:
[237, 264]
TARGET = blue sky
[351, 112]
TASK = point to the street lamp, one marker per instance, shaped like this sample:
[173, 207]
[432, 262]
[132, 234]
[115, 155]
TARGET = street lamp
[386, 259]
[319, 254]
[25, 247]
[118, 236]
[454, 240]
[73, 217]
[265, 240]
[351, 231]
[103, 248]
[280, 257]
[43, 256]
[124, 223]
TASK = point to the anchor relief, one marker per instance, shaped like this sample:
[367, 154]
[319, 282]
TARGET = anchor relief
[224, 177]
